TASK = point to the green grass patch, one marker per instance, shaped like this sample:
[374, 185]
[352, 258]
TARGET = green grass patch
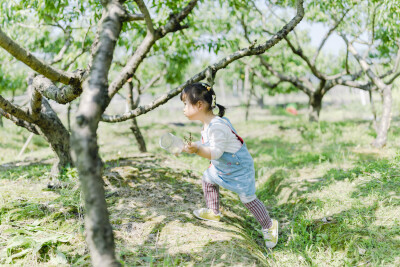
[336, 198]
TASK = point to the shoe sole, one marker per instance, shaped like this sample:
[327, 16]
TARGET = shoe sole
[198, 217]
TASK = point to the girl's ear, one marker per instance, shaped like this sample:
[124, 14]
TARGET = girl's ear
[199, 104]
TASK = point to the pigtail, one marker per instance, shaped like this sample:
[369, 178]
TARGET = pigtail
[221, 110]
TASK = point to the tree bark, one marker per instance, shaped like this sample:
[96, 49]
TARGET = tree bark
[133, 101]
[315, 105]
[371, 100]
[384, 124]
[85, 150]
[260, 101]
[69, 117]
[247, 90]
[138, 135]
[52, 129]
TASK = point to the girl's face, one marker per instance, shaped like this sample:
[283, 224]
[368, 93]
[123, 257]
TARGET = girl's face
[191, 111]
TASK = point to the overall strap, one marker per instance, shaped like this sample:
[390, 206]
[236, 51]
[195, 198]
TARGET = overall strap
[232, 129]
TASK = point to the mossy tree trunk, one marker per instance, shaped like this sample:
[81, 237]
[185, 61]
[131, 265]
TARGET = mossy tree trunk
[54, 132]
[315, 105]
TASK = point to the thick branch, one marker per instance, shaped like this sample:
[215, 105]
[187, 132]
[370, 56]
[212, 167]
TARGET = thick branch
[35, 105]
[300, 53]
[34, 63]
[350, 80]
[175, 19]
[134, 17]
[14, 110]
[364, 65]
[285, 78]
[62, 95]
[22, 123]
[252, 50]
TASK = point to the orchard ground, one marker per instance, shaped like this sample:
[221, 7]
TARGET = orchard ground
[337, 199]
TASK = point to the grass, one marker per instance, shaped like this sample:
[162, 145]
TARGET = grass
[336, 198]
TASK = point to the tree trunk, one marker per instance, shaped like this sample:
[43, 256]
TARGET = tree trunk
[133, 101]
[69, 116]
[260, 101]
[52, 129]
[247, 90]
[85, 150]
[371, 100]
[99, 234]
[138, 135]
[384, 124]
[1, 120]
[315, 105]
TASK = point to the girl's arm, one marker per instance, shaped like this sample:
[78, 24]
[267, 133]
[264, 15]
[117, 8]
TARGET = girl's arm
[200, 150]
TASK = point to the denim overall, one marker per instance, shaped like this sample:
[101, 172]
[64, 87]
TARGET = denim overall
[233, 171]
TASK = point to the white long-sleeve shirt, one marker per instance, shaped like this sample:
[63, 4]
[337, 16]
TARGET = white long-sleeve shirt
[220, 137]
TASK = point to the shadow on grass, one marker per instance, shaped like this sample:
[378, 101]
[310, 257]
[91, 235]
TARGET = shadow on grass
[383, 178]
[139, 190]
[167, 197]
[283, 153]
[356, 231]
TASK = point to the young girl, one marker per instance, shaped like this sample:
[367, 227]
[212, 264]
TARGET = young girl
[231, 165]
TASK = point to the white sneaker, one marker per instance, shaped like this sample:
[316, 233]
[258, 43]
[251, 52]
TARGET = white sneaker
[207, 214]
[271, 235]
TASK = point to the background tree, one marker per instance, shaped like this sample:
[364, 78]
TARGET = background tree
[377, 53]
[307, 70]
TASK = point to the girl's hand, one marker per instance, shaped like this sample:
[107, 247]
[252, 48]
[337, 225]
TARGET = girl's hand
[191, 148]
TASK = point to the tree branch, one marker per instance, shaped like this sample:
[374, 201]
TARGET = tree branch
[30, 60]
[327, 36]
[82, 51]
[15, 111]
[35, 101]
[300, 53]
[265, 81]
[19, 122]
[252, 50]
[285, 78]
[146, 15]
[364, 65]
[62, 95]
[395, 66]
[152, 81]
[65, 47]
[134, 17]
[393, 78]
[175, 19]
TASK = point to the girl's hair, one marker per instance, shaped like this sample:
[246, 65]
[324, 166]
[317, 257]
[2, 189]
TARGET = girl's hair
[196, 92]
